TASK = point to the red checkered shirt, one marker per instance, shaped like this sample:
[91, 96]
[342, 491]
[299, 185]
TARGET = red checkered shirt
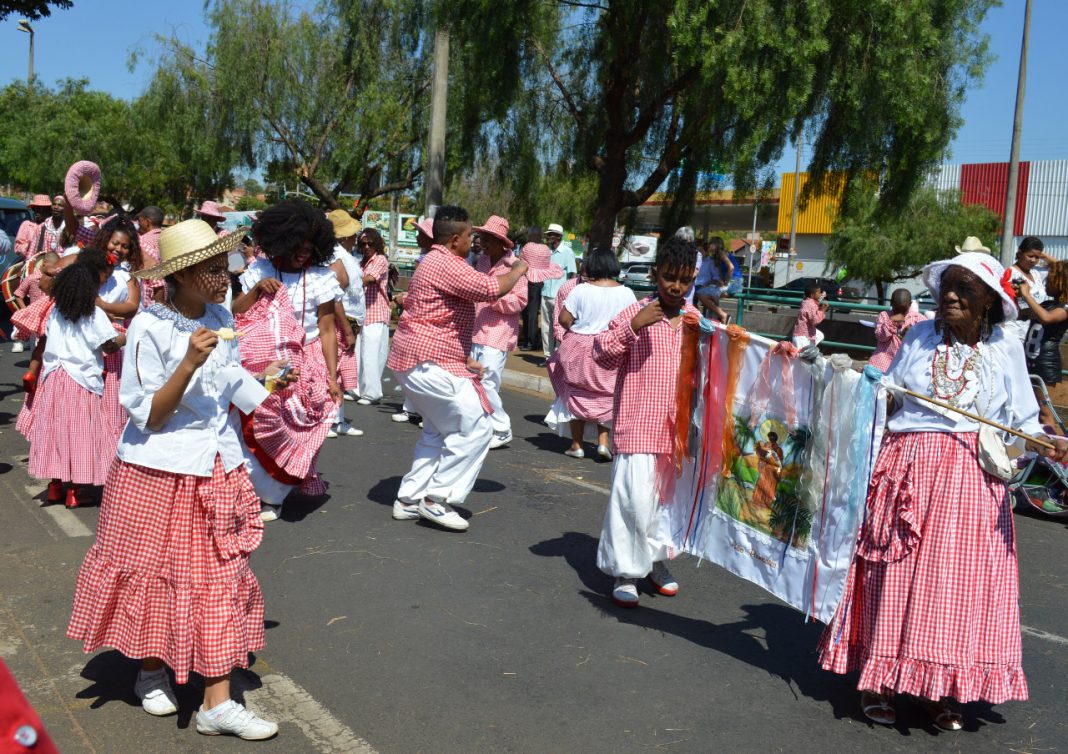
[29, 236]
[439, 313]
[807, 319]
[561, 296]
[30, 287]
[643, 412]
[376, 294]
[497, 324]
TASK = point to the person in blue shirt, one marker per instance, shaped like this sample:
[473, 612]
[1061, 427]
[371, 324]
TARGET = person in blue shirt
[563, 256]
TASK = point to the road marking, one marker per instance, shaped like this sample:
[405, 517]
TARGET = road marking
[580, 483]
[282, 700]
[1043, 635]
[67, 522]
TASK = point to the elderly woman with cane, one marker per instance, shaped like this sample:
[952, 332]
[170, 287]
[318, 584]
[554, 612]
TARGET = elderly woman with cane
[931, 605]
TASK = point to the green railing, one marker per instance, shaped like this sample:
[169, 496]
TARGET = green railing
[793, 301]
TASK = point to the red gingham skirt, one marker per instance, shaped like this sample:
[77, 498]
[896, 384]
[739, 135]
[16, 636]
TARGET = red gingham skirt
[346, 364]
[24, 422]
[168, 575]
[70, 437]
[931, 605]
[113, 410]
[586, 387]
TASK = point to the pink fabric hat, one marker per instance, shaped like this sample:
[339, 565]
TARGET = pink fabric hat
[81, 187]
[40, 200]
[497, 227]
[539, 262]
[426, 227]
[211, 209]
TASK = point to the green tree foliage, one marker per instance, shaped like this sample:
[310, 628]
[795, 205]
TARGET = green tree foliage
[335, 96]
[636, 90]
[31, 9]
[881, 247]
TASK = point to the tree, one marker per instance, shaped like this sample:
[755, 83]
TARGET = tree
[335, 96]
[881, 247]
[636, 90]
[31, 9]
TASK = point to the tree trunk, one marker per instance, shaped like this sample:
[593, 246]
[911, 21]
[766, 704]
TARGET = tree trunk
[880, 291]
[320, 191]
[613, 176]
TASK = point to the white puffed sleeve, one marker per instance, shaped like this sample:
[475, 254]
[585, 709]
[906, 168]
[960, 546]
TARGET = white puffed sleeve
[1021, 407]
[143, 372]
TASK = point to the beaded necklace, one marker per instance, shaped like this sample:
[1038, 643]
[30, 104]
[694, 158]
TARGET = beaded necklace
[955, 374]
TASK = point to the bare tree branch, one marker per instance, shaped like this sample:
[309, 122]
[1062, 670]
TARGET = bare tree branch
[576, 112]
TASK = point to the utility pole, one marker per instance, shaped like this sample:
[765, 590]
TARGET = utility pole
[1008, 235]
[24, 25]
[435, 172]
[793, 212]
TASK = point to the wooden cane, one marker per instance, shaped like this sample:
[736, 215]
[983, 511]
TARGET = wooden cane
[973, 417]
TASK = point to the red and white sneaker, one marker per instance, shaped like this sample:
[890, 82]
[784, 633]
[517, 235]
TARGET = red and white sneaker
[663, 581]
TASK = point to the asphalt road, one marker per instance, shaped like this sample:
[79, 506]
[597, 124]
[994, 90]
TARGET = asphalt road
[397, 637]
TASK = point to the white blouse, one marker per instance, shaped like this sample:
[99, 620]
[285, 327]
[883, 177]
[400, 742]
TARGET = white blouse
[307, 289]
[1004, 392]
[74, 347]
[202, 426]
[353, 298]
[595, 306]
[116, 289]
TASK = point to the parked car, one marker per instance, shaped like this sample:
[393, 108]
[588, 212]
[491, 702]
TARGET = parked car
[797, 288]
[637, 273]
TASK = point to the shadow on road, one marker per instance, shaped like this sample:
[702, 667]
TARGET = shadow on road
[297, 506]
[580, 552]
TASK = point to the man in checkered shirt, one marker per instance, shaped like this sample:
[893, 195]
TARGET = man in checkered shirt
[644, 343]
[430, 359]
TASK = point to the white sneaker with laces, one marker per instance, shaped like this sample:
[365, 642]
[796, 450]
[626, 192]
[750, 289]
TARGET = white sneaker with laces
[332, 432]
[442, 515]
[269, 512]
[625, 593]
[662, 580]
[364, 401]
[230, 718]
[500, 440]
[348, 430]
[405, 511]
[399, 417]
[155, 692]
[350, 395]
[18, 347]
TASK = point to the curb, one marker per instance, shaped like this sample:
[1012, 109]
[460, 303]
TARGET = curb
[532, 382]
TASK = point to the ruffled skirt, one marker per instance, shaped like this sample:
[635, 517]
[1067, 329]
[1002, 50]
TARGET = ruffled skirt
[70, 436]
[168, 575]
[586, 388]
[931, 605]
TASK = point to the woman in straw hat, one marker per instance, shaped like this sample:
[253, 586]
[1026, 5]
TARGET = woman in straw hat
[168, 578]
[931, 605]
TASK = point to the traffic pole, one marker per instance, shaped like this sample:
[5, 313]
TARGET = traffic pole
[1008, 232]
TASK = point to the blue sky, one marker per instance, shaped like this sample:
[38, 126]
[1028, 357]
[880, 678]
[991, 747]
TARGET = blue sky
[88, 41]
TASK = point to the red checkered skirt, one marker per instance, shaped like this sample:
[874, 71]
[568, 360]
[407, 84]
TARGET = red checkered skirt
[287, 430]
[31, 320]
[169, 575]
[586, 387]
[70, 437]
[931, 606]
[346, 364]
[24, 421]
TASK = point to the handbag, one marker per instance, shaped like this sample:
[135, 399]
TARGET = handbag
[993, 458]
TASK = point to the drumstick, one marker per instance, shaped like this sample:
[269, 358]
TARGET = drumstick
[970, 415]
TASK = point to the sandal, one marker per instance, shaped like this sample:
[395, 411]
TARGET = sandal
[877, 708]
[945, 715]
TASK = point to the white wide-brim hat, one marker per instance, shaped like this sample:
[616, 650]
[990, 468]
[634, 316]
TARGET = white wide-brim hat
[988, 269]
[185, 244]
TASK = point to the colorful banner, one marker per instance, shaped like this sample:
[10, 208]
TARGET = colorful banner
[780, 454]
[380, 222]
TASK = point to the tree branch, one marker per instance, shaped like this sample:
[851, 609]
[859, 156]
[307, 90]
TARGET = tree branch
[650, 112]
[576, 112]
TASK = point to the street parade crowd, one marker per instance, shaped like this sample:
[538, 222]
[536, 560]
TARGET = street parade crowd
[187, 378]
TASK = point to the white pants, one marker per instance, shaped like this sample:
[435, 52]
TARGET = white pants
[493, 359]
[268, 489]
[800, 341]
[629, 542]
[455, 438]
[545, 321]
[373, 351]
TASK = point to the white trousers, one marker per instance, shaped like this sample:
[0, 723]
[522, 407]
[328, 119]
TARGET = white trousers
[268, 489]
[455, 438]
[373, 351]
[629, 543]
[493, 359]
[545, 322]
[800, 341]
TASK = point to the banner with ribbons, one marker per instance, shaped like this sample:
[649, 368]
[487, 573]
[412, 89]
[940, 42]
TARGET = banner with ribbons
[772, 461]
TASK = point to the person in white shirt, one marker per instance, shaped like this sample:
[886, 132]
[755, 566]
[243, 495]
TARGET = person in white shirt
[1025, 270]
[179, 517]
[350, 311]
[564, 257]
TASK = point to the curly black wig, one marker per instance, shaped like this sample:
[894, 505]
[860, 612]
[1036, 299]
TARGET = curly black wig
[123, 224]
[280, 231]
[97, 260]
[75, 290]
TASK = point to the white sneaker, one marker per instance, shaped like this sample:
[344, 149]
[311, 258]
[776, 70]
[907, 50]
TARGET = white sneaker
[269, 512]
[364, 401]
[18, 347]
[350, 395]
[576, 453]
[625, 593]
[442, 515]
[500, 440]
[663, 581]
[405, 511]
[604, 452]
[332, 432]
[155, 692]
[230, 718]
[348, 430]
[400, 416]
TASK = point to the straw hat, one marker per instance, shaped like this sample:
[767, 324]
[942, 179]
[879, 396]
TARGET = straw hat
[555, 228]
[344, 224]
[540, 266]
[185, 244]
[971, 243]
[988, 269]
[497, 227]
[211, 209]
[40, 200]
